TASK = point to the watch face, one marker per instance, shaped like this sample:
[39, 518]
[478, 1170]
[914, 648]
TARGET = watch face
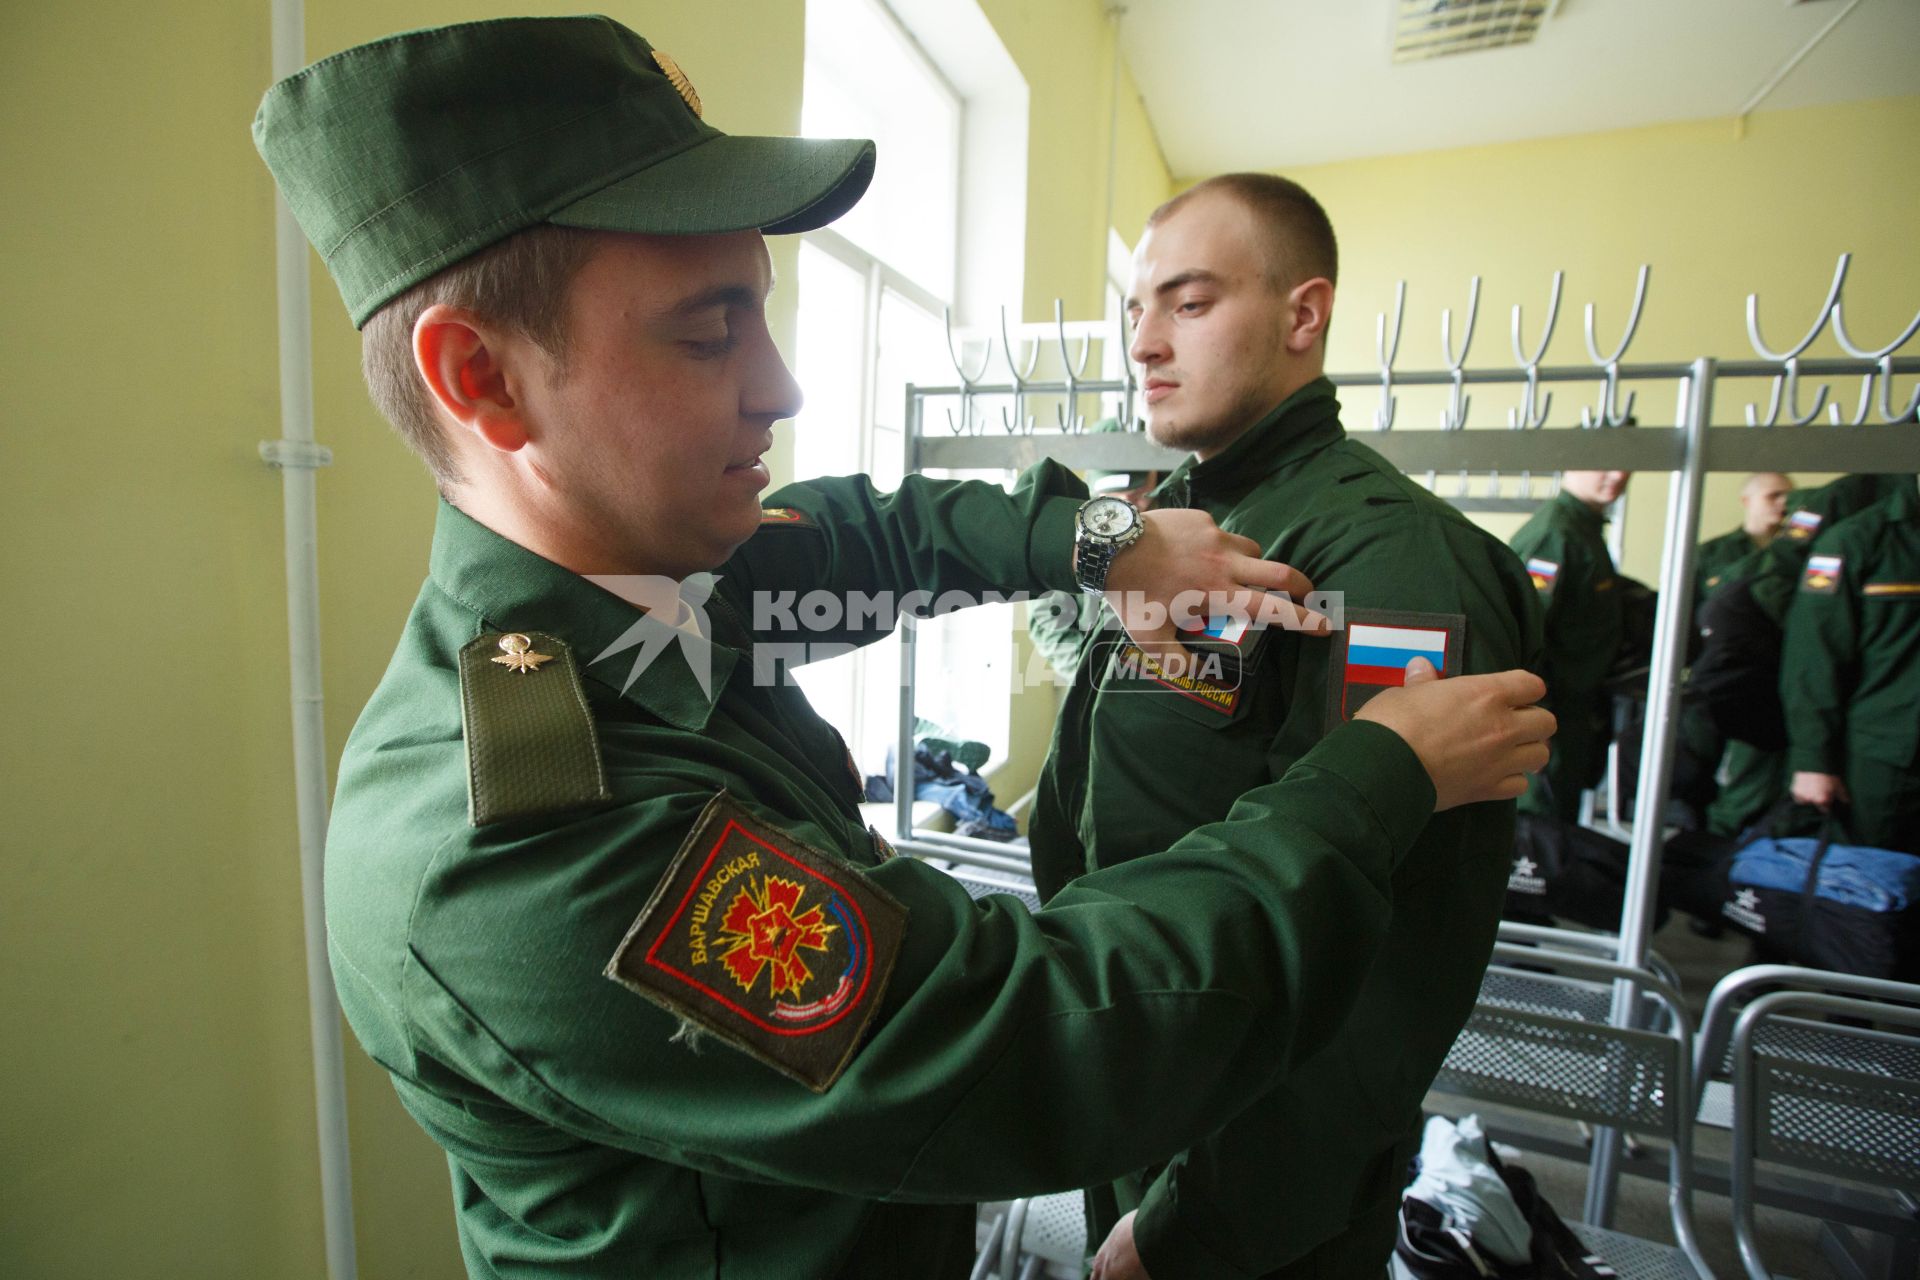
[1108, 517]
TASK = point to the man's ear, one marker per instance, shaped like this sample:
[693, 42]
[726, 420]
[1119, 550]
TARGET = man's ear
[1312, 305]
[465, 363]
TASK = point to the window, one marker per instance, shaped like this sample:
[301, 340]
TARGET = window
[873, 292]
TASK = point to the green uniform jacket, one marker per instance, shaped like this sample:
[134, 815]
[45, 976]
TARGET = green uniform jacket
[586, 1140]
[1565, 550]
[1135, 764]
[1850, 671]
[1721, 560]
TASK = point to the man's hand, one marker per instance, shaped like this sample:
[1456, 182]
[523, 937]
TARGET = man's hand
[1478, 736]
[1819, 789]
[1185, 568]
[1118, 1259]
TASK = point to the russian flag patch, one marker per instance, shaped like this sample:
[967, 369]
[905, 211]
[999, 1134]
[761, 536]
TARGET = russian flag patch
[1543, 572]
[1822, 576]
[1373, 653]
[1802, 524]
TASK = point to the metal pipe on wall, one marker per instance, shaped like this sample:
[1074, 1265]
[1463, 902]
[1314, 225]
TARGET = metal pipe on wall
[297, 456]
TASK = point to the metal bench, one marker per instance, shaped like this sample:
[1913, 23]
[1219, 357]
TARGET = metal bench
[1828, 1098]
[1540, 1039]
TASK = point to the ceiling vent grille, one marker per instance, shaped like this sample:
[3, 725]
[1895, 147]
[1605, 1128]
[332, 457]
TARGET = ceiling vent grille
[1435, 28]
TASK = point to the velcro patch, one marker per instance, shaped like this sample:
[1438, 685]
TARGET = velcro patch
[1801, 525]
[1908, 589]
[774, 947]
[1543, 573]
[1375, 649]
[1822, 577]
[786, 516]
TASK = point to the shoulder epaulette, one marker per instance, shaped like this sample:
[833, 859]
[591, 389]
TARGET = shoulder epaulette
[531, 743]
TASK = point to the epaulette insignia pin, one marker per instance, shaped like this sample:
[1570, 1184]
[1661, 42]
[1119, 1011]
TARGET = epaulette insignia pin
[678, 79]
[518, 654]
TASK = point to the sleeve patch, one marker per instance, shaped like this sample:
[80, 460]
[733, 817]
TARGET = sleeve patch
[1374, 651]
[786, 516]
[1543, 573]
[774, 947]
[1822, 576]
[1801, 525]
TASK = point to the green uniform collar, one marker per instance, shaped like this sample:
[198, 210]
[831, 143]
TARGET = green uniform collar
[514, 589]
[1298, 427]
[1580, 512]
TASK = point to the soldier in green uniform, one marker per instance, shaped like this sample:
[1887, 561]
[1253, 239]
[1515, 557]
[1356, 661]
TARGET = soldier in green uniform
[1231, 291]
[599, 896]
[1850, 673]
[1564, 546]
[1749, 778]
[1763, 505]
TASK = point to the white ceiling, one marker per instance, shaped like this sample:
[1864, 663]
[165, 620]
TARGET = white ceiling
[1263, 84]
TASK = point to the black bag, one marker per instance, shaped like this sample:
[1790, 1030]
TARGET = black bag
[1821, 920]
[1736, 678]
[1427, 1250]
[1561, 870]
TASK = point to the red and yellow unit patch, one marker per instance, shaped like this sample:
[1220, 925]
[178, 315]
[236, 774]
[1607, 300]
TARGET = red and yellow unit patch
[1822, 577]
[775, 947]
[786, 516]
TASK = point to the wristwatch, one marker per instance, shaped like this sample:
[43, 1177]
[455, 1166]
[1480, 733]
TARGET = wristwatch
[1103, 526]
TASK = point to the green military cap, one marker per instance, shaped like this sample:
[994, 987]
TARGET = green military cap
[401, 157]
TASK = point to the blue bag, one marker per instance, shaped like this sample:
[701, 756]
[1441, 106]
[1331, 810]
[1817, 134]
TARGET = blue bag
[1844, 907]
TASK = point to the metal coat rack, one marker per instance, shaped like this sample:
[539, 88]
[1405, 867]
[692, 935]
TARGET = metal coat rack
[1878, 436]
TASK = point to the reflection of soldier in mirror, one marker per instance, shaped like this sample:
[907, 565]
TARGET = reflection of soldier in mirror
[1564, 546]
[1850, 673]
[1742, 780]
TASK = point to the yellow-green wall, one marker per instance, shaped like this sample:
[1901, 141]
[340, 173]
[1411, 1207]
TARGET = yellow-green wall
[1717, 214]
[152, 984]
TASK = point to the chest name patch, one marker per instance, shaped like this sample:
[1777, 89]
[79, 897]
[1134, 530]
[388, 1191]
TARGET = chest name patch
[774, 947]
[1373, 654]
[1543, 573]
[1910, 590]
[1801, 525]
[1822, 576]
[1207, 678]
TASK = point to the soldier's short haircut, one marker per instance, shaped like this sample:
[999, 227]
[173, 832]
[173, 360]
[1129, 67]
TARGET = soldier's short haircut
[520, 283]
[1300, 243]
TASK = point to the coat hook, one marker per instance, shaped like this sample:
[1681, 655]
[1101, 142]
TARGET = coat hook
[1021, 421]
[967, 381]
[1454, 416]
[1786, 387]
[1525, 415]
[1884, 374]
[1068, 412]
[1383, 416]
[1609, 412]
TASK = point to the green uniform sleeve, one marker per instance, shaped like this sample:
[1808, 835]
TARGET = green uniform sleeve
[1211, 1214]
[1006, 1044]
[929, 536]
[1819, 664]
